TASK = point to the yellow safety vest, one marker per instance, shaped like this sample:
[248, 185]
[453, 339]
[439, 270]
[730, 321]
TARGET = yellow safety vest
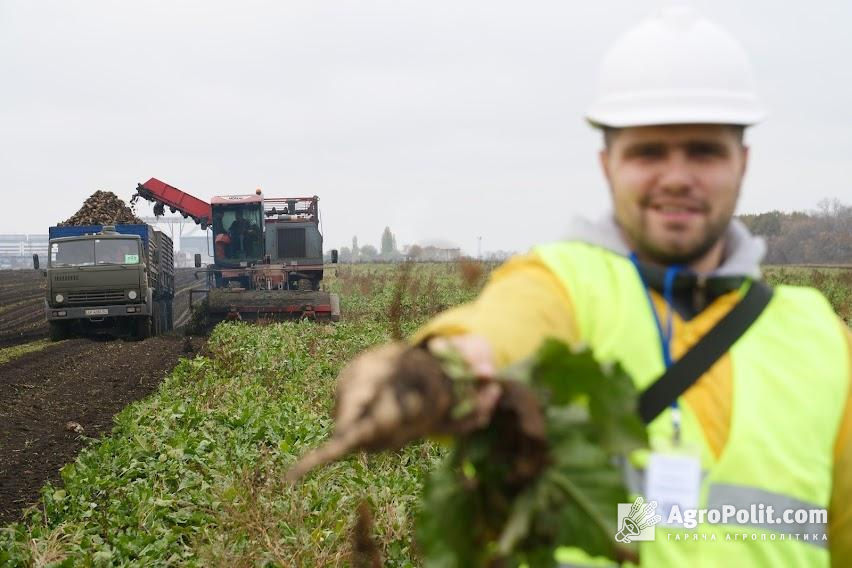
[790, 382]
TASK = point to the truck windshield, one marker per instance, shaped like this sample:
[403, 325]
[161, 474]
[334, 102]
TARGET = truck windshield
[116, 251]
[72, 253]
[89, 252]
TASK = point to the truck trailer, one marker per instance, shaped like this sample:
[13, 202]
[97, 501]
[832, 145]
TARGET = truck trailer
[109, 279]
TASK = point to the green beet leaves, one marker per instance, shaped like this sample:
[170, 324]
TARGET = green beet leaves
[544, 474]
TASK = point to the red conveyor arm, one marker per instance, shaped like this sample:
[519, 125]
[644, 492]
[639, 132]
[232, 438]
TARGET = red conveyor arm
[165, 195]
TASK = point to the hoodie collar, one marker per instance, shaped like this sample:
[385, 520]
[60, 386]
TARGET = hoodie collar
[741, 257]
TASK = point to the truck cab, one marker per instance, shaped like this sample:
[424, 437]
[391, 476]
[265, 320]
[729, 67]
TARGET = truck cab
[103, 281]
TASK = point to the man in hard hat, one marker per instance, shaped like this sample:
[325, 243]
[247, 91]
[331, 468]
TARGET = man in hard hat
[770, 422]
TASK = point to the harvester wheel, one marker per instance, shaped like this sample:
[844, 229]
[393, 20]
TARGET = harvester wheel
[58, 330]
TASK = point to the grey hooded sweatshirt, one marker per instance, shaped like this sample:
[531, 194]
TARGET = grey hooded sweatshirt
[692, 292]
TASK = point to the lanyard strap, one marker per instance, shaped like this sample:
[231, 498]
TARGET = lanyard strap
[668, 295]
[665, 335]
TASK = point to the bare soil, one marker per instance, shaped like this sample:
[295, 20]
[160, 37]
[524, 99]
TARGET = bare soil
[22, 304]
[86, 381]
[21, 313]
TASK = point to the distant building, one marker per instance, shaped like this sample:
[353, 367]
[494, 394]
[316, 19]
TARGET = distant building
[16, 251]
[196, 244]
[433, 251]
[192, 245]
[436, 254]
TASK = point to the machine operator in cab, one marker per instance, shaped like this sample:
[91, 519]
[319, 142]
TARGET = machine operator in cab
[245, 235]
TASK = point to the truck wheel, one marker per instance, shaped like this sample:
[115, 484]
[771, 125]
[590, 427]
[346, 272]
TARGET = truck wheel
[58, 330]
[143, 328]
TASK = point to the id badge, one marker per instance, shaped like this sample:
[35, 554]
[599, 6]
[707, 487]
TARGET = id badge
[673, 480]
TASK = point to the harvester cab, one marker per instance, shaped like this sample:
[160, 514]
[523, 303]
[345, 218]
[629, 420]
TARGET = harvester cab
[237, 237]
[267, 253]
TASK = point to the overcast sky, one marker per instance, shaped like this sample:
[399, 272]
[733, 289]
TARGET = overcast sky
[442, 119]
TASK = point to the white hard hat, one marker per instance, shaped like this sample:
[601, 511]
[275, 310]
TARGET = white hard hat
[675, 67]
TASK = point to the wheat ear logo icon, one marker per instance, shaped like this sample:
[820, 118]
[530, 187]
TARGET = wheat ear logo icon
[639, 518]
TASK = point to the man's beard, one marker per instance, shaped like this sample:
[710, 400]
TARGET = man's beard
[646, 248]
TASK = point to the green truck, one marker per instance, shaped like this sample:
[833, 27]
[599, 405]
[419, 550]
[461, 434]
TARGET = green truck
[109, 279]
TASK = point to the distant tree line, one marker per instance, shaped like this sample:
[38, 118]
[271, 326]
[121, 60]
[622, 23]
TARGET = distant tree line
[369, 253]
[390, 251]
[823, 236]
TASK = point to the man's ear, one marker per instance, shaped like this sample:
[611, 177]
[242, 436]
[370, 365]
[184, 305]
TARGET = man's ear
[745, 151]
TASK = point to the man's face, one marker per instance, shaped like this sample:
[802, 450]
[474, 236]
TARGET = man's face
[674, 187]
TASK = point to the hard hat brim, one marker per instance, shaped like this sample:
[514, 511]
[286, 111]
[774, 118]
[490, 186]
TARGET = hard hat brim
[660, 108]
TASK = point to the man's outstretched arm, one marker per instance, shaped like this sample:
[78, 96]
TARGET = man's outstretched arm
[392, 394]
[522, 304]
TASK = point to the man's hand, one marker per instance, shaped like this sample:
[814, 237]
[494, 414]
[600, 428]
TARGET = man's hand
[479, 356]
[406, 390]
[393, 394]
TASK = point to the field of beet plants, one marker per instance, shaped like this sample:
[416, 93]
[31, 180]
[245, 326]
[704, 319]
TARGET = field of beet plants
[834, 282]
[193, 475]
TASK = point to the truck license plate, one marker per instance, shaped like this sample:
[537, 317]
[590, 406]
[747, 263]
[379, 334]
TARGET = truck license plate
[97, 312]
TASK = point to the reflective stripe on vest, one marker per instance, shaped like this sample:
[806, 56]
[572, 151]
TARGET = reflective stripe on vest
[721, 495]
[790, 377]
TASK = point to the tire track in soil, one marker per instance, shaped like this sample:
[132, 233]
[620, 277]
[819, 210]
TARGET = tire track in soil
[19, 318]
[79, 380]
[182, 311]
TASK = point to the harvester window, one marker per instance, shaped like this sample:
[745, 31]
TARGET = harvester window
[239, 233]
